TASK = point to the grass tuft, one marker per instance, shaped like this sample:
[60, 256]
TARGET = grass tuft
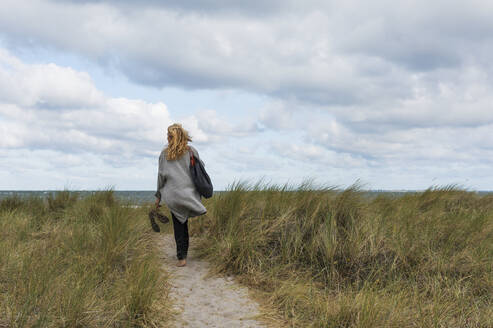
[72, 262]
[331, 258]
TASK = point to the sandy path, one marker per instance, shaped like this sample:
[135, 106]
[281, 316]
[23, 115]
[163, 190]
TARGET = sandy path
[202, 300]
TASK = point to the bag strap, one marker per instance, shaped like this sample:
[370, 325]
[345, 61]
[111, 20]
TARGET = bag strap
[192, 159]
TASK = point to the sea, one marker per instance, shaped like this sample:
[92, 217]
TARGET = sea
[128, 196]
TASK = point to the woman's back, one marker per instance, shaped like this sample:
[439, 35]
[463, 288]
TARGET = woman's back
[178, 190]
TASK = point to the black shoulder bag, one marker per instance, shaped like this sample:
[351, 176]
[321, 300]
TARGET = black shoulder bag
[200, 177]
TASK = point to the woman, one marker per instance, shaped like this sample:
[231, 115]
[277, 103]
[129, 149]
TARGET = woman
[176, 188]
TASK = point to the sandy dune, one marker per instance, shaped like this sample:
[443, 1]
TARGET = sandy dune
[202, 300]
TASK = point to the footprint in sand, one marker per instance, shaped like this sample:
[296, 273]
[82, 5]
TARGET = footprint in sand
[204, 301]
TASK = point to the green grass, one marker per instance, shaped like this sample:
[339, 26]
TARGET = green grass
[342, 259]
[70, 262]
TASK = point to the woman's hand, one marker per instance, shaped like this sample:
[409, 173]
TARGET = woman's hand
[157, 202]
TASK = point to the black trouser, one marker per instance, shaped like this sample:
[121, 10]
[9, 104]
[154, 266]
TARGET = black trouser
[181, 237]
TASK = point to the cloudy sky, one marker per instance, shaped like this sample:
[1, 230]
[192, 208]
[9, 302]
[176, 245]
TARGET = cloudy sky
[396, 95]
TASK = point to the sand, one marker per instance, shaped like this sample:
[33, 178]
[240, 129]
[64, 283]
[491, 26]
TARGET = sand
[204, 300]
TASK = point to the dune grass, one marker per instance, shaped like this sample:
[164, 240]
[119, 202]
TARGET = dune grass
[70, 262]
[330, 258]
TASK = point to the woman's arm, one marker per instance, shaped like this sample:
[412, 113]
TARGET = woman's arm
[161, 180]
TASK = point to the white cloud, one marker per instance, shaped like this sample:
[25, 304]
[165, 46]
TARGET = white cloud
[212, 124]
[45, 106]
[45, 86]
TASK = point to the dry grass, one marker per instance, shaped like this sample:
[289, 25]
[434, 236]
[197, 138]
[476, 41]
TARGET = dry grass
[341, 259]
[69, 262]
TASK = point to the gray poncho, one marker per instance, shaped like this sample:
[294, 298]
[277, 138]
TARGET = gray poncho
[175, 186]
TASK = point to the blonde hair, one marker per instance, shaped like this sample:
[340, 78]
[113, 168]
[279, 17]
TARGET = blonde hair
[178, 144]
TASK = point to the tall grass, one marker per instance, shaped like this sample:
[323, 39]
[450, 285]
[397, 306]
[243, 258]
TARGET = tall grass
[331, 258]
[70, 262]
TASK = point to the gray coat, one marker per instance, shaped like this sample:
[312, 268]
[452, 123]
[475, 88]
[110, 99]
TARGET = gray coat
[175, 186]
